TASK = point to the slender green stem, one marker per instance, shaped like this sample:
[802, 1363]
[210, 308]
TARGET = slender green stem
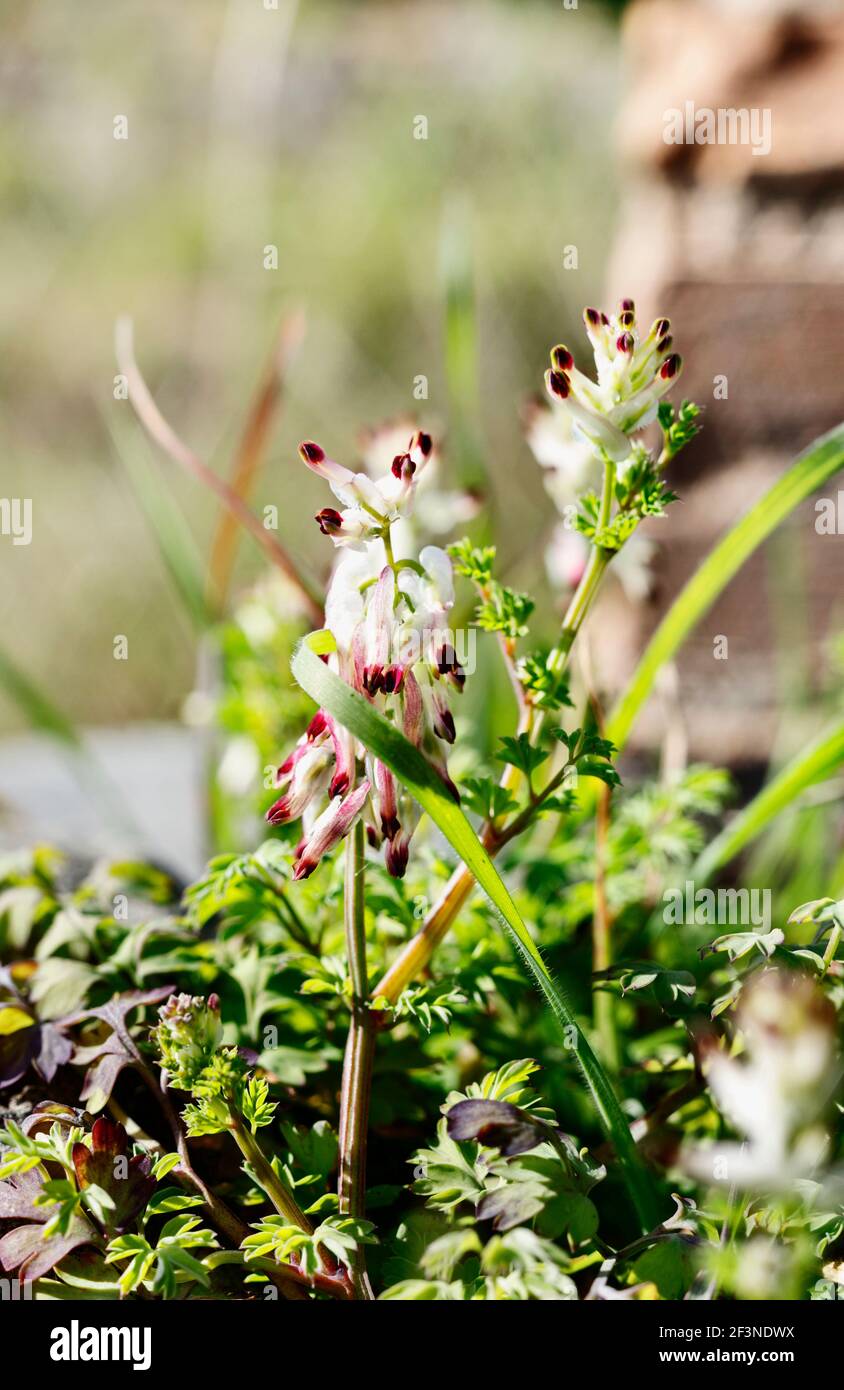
[360, 1053]
[589, 581]
[283, 1201]
[354, 910]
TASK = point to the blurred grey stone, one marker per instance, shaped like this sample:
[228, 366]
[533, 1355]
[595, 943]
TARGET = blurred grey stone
[138, 794]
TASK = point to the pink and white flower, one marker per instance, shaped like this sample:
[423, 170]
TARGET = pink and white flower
[633, 375]
[369, 505]
[394, 646]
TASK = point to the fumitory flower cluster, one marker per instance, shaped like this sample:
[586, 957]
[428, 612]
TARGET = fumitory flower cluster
[187, 1035]
[390, 621]
[777, 1092]
[633, 375]
[593, 419]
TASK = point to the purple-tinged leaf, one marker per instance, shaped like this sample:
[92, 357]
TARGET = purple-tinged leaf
[26, 1249]
[498, 1124]
[17, 1197]
[53, 1052]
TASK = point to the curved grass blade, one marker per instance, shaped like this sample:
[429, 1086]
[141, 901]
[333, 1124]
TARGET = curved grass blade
[389, 745]
[811, 469]
[43, 715]
[173, 537]
[461, 347]
[819, 761]
[36, 705]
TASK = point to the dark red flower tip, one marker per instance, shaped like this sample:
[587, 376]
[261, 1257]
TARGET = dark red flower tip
[317, 726]
[671, 366]
[447, 659]
[661, 327]
[214, 1003]
[559, 384]
[624, 343]
[604, 320]
[403, 466]
[396, 856]
[303, 868]
[423, 442]
[627, 318]
[664, 343]
[279, 812]
[329, 521]
[392, 679]
[372, 837]
[373, 679]
[561, 358]
[311, 453]
[592, 316]
[445, 726]
[390, 826]
[339, 784]
[628, 306]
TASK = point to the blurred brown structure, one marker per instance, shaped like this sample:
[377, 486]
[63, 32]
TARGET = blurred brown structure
[745, 251]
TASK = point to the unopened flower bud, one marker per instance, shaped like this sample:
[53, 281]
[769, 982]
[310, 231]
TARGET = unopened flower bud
[558, 384]
[311, 453]
[187, 1036]
[561, 359]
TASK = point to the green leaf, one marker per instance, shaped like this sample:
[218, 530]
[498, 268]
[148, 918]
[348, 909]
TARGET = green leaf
[59, 986]
[165, 1164]
[258, 1109]
[487, 798]
[604, 772]
[742, 943]
[170, 1199]
[507, 1083]
[811, 470]
[449, 1172]
[521, 753]
[821, 911]
[504, 610]
[473, 562]
[669, 1265]
[814, 764]
[412, 769]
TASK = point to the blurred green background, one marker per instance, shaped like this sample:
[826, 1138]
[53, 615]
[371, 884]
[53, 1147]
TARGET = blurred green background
[251, 127]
